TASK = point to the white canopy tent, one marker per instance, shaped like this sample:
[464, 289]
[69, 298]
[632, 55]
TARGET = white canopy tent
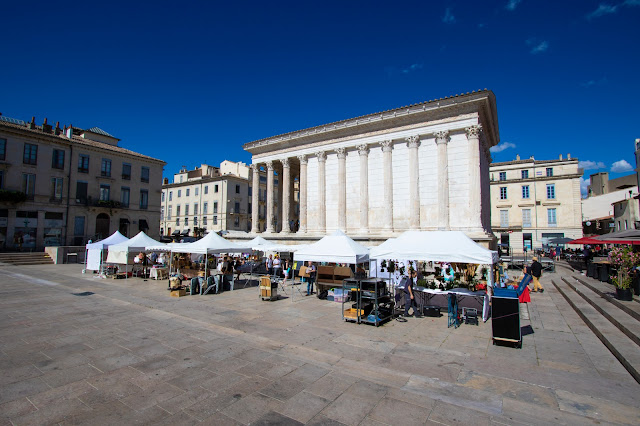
[260, 244]
[118, 253]
[94, 251]
[337, 248]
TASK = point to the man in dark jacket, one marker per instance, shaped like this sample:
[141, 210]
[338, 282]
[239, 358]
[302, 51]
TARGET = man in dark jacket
[536, 273]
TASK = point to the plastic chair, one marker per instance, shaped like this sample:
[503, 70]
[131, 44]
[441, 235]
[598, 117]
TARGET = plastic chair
[210, 284]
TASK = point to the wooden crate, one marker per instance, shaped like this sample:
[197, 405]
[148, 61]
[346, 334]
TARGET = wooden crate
[352, 313]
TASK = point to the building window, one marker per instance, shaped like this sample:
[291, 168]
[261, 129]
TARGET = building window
[144, 175]
[196, 191]
[549, 171]
[626, 224]
[206, 189]
[236, 222]
[551, 217]
[81, 192]
[169, 212]
[186, 221]
[29, 185]
[195, 208]
[503, 175]
[526, 218]
[504, 218]
[105, 192]
[162, 198]
[1, 179]
[177, 210]
[170, 195]
[83, 163]
[525, 191]
[179, 193]
[525, 174]
[161, 213]
[503, 192]
[177, 222]
[30, 155]
[144, 199]
[125, 196]
[236, 208]
[186, 209]
[205, 207]
[187, 192]
[126, 171]
[215, 220]
[551, 191]
[56, 189]
[250, 191]
[3, 149]
[215, 188]
[195, 221]
[57, 160]
[105, 168]
[237, 189]
[204, 220]
[215, 207]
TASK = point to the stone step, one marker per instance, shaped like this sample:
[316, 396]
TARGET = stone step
[37, 258]
[618, 343]
[629, 325]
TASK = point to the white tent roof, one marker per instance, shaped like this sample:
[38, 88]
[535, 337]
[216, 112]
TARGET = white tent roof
[435, 246]
[214, 243]
[338, 248]
[115, 238]
[259, 243]
[138, 243]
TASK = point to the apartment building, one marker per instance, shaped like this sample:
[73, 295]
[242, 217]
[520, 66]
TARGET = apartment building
[64, 186]
[534, 201]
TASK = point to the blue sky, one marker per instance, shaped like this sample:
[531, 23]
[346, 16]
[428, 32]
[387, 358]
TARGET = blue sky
[190, 82]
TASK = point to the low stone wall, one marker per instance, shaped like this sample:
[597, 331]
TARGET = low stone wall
[66, 254]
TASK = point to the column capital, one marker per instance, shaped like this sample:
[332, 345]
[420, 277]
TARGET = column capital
[269, 165]
[285, 162]
[442, 136]
[322, 156]
[255, 167]
[303, 159]
[413, 141]
[473, 131]
[363, 149]
[387, 145]
[342, 153]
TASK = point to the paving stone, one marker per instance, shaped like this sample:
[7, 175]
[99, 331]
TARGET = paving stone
[251, 408]
[348, 409]
[283, 388]
[392, 411]
[303, 406]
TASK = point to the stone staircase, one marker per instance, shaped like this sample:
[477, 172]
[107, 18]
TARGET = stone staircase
[33, 258]
[615, 322]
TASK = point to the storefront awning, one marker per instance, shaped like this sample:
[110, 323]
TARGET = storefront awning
[185, 232]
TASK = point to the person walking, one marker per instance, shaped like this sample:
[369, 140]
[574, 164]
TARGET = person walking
[536, 273]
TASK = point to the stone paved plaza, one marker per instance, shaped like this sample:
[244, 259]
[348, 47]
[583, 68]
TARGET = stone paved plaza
[130, 354]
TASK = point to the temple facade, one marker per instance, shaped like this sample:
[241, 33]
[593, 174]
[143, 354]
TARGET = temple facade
[419, 167]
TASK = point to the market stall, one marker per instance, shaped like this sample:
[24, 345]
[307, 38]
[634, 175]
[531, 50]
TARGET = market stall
[94, 256]
[124, 252]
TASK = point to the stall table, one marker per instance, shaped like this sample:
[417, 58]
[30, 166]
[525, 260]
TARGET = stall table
[159, 273]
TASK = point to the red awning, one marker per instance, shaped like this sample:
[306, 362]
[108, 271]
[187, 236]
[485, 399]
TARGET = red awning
[586, 240]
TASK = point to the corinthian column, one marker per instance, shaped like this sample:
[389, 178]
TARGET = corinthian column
[363, 151]
[442, 139]
[413, 142]
[286, 194]
[255, 191]
[322, 193]
[387, 174]
[342, 188]
[269, 213]
[475, 185]
[303, 193]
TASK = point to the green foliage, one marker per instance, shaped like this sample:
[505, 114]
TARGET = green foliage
[12, 196]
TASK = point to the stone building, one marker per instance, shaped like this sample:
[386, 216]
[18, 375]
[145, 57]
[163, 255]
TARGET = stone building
[423, 166]
[64, 186]
[209, 198]
[534, 201]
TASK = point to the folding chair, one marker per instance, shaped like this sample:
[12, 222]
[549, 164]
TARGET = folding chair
[209, 285]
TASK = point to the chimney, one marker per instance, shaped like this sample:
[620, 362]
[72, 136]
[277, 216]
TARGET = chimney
[518, 157]
[32, 125]
[561, 156]
[568, 156]
[69, 131]
[57, 130]
[46, 127]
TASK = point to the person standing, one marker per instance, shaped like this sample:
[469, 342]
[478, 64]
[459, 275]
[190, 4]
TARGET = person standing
[409, 297]
[269, 264]
[277, 266]
[536, 273]
[311, 270]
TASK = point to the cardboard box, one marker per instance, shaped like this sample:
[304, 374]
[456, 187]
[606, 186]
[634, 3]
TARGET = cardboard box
[179, 293]
[352, 313]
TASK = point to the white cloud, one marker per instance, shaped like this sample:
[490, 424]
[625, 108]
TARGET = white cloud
[512, 4]
[412, 67]
[591, 165]
[502, 146]
[540, 47]
[584, 187]
[448, 17]
[603, 9]
[621, 167]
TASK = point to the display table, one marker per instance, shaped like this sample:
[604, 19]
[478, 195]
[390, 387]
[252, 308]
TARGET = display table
[466, 298]
[159, 273]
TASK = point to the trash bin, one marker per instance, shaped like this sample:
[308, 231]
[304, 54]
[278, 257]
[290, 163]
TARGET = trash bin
[603, 273]
[591, 270]
[635, 284]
